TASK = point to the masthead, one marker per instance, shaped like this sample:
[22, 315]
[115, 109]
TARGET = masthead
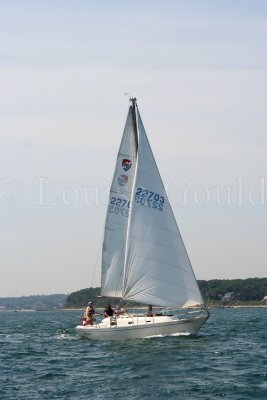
[133, 101]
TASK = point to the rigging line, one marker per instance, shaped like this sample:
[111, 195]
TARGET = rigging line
[97, 256]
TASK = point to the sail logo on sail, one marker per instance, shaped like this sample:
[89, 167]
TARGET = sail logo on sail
[122, 180]
[126, 164]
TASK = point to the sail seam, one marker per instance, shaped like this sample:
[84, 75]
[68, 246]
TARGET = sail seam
[171, 283]
[174, 266]
[132, 296]
[115, 223]
[158, 244]
[156, 226]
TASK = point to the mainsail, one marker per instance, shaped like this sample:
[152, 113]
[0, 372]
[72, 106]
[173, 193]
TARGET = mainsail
[144, 257]
[113, 252]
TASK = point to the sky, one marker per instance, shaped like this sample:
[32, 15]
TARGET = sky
[198, 70]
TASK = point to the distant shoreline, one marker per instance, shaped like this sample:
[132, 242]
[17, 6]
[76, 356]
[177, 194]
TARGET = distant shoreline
[99, 310]
[144, 308]
[243, 306]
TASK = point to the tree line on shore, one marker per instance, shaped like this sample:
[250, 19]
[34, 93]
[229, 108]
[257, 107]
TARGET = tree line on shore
[34, 302]
[243, 290]
[215, 290]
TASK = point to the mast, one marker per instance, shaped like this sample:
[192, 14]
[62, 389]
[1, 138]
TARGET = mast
[136, 139]
[134, 106]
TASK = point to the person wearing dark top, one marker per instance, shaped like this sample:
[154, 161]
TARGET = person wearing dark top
[108, 312]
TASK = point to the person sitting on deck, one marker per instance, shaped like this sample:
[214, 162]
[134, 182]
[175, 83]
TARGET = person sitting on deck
[108, 312]
[89, 314]
[120, 310]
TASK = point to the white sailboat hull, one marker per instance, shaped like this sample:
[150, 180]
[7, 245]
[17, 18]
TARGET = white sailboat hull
[141, 327]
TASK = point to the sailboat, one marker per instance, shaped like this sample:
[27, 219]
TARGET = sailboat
[143, 256]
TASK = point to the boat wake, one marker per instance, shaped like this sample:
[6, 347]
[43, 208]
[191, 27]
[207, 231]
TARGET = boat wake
[65, 336]
[168, 335]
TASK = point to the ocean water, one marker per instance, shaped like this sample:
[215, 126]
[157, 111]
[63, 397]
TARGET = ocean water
[41, 357]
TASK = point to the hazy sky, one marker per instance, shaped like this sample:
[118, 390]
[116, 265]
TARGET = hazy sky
[198, 70]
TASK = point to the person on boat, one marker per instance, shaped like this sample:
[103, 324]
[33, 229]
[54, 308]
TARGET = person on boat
[119, 310]
[90, 313]
[108, 312]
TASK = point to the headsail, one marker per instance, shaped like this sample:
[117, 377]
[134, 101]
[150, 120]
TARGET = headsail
[157, 268]
[113, 252]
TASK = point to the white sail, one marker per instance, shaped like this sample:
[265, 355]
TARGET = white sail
[157, 268]
[113, 252]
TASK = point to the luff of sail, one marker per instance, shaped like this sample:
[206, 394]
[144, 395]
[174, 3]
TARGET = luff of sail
[157, 268]
[113, 252]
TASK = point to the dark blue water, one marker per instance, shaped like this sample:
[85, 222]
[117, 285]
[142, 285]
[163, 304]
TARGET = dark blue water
[42, 358]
